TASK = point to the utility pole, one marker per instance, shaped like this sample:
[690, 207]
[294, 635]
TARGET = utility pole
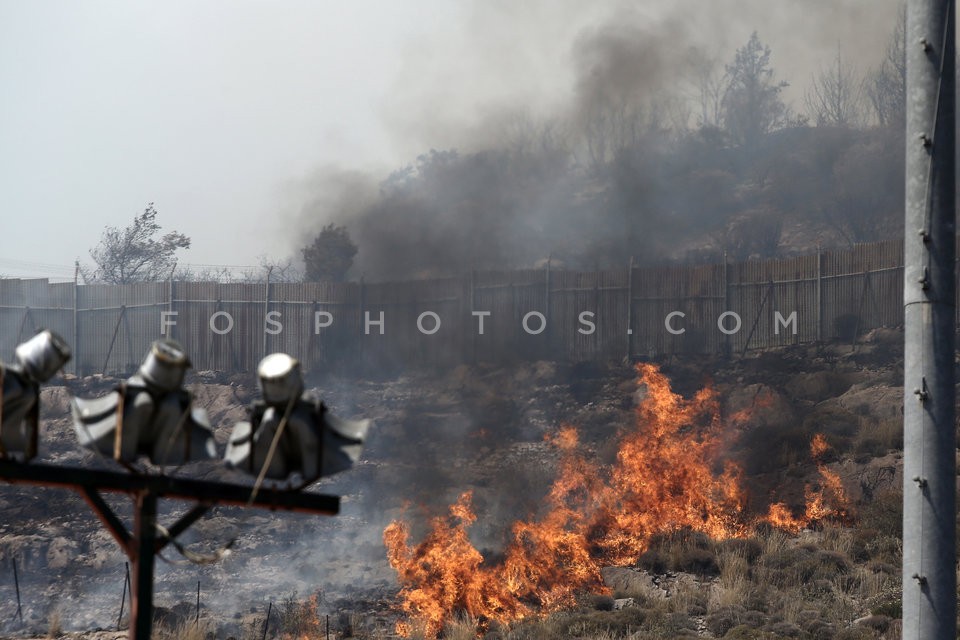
[929, 476]
[142, 543]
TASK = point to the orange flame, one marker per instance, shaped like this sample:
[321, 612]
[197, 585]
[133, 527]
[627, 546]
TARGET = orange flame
[829, 501]
[666, 478]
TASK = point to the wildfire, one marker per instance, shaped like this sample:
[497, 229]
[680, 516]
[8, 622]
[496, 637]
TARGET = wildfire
[828, 501]
[666, 477]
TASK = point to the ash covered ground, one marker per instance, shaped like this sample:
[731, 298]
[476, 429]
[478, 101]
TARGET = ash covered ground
[436, 434]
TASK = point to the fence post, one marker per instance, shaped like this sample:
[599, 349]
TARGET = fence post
[266, 310]
[726, 347]
[170, 328]
[473, 307]
[360, 326]
[819, 294]
[630, 309]
[76, 332]
[546, 309]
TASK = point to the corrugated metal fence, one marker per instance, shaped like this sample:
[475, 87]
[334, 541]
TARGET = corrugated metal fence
[525, 314]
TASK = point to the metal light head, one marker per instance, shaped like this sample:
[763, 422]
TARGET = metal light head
[165, 365]
[41, 356]
[280, 378]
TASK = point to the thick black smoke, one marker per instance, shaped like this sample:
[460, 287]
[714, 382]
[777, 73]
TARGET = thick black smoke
[619, 151]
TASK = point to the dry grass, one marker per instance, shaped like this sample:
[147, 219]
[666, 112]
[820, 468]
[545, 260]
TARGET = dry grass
[187, 630]
[55, 624]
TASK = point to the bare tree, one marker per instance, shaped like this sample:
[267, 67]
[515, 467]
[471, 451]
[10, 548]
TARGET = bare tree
[611, 126]
[887, 86]
[134, 253]
[835, 97]
[710, 85]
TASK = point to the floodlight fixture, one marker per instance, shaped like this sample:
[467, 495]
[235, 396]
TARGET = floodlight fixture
[35, 362]
[291, 432]
[149, 414]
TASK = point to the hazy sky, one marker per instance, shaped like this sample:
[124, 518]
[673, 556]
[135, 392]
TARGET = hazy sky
[222, 112]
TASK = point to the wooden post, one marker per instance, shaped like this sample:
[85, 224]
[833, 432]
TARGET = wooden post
[142, 544]
[145, 541]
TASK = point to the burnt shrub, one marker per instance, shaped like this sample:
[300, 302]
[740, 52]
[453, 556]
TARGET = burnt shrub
[599, 602]
[654, 561]
[750, 549]
[699, 561]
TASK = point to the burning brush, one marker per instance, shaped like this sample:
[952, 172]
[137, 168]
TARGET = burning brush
[666, 478]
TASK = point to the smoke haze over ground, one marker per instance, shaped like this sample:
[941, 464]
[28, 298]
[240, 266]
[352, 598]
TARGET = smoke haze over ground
[596, 132]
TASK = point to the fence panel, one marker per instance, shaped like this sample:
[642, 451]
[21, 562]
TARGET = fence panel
[592, 315]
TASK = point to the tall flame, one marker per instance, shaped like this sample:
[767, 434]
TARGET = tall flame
[666, 477]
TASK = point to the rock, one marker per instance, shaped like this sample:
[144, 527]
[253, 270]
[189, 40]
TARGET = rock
[633, 581]
[622, 603]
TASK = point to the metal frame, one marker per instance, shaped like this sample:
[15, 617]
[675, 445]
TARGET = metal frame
[142, 543]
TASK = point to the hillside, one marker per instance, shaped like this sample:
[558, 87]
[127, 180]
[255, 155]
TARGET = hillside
[483, 429]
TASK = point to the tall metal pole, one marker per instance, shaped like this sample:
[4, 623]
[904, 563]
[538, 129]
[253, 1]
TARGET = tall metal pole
[929, 492]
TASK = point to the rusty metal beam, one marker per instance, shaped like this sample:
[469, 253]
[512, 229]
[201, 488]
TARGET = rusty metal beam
[206, 491]
[109, 519]
[182, 524]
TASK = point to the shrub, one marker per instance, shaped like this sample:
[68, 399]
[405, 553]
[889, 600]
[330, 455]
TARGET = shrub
[699, 561]
[298, 617]
[877, 622]
[855, 633]
[599, 602]
[724, 619]
[654, 561]
[785, 630]
[749, 549]
[887, 606]
[743, 632]
[617, 623]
